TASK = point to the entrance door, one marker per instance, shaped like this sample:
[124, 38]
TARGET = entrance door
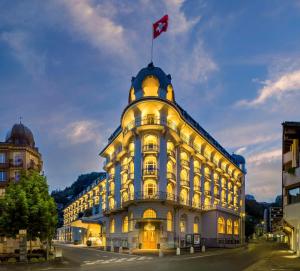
[149, 237]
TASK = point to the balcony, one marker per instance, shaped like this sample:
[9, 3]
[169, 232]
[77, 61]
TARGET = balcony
[124, 186]
[171, 153]
[185, 163]
[207, 193]
[196, 204]
[150, 172]
[185, 183]
[197, 170]
[150, 120]
[183, 201]
[171, 176]
[197, 188]
[150, 148]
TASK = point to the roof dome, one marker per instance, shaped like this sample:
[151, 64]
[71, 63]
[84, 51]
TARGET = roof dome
[151, 81]
[20, 135]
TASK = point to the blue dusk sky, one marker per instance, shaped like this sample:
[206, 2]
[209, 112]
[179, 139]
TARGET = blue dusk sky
[66, 67]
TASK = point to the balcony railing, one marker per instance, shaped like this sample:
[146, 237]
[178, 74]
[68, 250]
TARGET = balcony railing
[196, 204]
[171, 176]
[150, 121]
[150, 148]
[150, 172]
[171, 153]
[184, 162]
[207, 193]
[185, 183]
[197, 188]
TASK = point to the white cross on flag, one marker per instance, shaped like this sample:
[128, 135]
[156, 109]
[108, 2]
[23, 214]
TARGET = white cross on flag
[160, 26]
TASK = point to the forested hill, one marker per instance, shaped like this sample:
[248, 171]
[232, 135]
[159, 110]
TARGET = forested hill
[63, 197]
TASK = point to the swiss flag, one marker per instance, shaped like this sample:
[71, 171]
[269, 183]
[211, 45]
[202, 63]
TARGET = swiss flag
[160, 26]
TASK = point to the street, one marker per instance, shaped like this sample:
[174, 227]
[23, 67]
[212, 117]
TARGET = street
[257, 256]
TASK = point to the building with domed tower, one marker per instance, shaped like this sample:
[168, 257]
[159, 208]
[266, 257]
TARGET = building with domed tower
[169, 183]
[18, 152]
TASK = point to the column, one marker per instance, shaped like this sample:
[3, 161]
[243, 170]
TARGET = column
[191, 176]
[137, 165]
[162, 162]
[117, 195]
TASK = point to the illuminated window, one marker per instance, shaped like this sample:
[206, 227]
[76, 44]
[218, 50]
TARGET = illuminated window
[111, 203]
[170, 148]
[124, 197]
[169, 222]
[130, 221]
[170, 166]
[125, 224]
[196, 200]
[170, 191]
[184, 176]
[223, 196]
[184, 156]
[112, 187]
[221, 225]
[196, 225]
[112, 226]
[150, 164]
[184, 196]
[150, 86]
[229, 226]
[151, 142]
[149, 188]
[236, 227]
[149, 213]
[131, 191]
[216, 190]
[207, 202]
[170, 93]
[197, 182]
[131, 95]
[182, 223]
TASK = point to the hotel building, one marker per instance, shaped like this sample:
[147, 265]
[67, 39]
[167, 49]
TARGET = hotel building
[291, 183]
[169, 182]
[18, 152]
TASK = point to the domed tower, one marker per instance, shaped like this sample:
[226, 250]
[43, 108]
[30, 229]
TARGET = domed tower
[17, 153]
[160, 158]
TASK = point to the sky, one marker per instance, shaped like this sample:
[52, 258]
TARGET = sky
[66, 68]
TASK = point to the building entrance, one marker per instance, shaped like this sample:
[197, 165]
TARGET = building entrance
[149, 237]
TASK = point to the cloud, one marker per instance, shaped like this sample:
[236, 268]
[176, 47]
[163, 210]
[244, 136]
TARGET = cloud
[179, 23]
[84, 131]
[264, 157]
[241, 150]
[23, 51]
[92, 23]
[286, 83]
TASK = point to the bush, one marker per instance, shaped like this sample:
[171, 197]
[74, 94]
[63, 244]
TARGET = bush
[12, 260]
[42, 259]
[88, 243]
[34, 260]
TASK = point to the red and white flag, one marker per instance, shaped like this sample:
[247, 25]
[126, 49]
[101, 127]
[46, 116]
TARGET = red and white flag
[160, 26]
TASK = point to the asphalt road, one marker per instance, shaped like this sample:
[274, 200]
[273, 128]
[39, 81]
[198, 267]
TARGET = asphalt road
[82, 258]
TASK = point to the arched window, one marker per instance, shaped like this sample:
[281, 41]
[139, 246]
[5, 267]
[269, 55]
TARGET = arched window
[150, 163]
[130, 221]
[207, 172]
[124, 196]
[184, 196]
[182, 223]
[207, 186]
[111, 203]
[150, 142]
[170, 148]
[196, 200]
[229, 226]
[131, 191]
[170, 166]
[197, 182]
[196, 225]
[150, 86]
[170, 191]
[236, 227]
[112, 226]
[125, 224]
[184, 156]
[184, 175]
[207, 202]
[223, 196]
[131, 168]
[150, 188]
[216, 190]
[149, 213]
[229, 198]
[169, 221]
[221, 225]
[112, 187]
[170, 93]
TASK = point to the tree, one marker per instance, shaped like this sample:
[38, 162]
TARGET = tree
[28, 205]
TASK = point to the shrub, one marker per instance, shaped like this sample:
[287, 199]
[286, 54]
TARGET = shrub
[34, 260]
[42, 259]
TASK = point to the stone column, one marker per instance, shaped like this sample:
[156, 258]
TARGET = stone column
[137, 165]
[191, 176]
[162, 164]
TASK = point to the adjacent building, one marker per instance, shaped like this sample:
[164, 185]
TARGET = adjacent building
[291, 183]
[18, 152]
[169, 182]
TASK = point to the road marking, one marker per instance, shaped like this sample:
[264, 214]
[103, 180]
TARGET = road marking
[121, 260]
[195, 257]
[131, 259]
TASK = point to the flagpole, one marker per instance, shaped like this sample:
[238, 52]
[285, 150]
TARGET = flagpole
[152, 50]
